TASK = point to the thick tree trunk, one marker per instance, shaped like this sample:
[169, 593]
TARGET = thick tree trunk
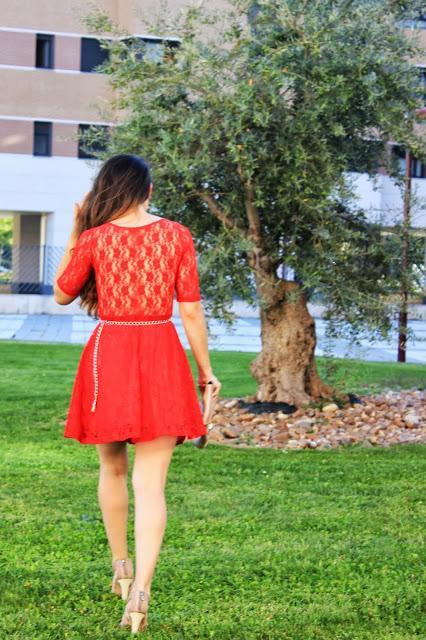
[285, 369]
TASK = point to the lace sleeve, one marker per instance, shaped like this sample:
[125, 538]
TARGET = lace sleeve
[187, 282]
[77, 271]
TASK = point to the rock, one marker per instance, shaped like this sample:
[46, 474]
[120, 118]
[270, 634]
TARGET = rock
[312, 444]
[411, 420]
[215, 435]
[264, 428]
[303, 442]
[281, 426]
[281, 437]
[294, 444]
[330, 408]
[304, 423]
[231, 403]
[230, 431]
[405, 437]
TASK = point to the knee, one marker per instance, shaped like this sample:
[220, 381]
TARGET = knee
[149, 487]
[115, 467]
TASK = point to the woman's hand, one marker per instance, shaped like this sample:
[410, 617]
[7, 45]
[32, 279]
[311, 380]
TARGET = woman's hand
[209, 392]
[78, 206]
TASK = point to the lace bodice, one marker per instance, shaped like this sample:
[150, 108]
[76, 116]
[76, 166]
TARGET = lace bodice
[138, 270]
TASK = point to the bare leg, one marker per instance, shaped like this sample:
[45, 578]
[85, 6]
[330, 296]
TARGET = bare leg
[113, 495]
[149, 480]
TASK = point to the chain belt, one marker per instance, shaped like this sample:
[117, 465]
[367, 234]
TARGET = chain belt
[96, 347]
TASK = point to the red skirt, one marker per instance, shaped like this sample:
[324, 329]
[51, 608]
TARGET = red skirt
[143, 385]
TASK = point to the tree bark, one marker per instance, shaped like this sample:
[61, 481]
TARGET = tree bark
[285, 369]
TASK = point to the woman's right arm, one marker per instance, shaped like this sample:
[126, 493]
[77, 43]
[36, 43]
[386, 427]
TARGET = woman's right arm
[192, 314]
[195, 327]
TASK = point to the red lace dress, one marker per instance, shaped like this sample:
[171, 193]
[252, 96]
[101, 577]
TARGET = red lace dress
[144, 384]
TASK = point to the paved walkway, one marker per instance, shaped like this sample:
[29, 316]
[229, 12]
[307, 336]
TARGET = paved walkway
[245, 335]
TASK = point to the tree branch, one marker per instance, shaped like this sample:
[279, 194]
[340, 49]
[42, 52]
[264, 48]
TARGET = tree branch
[255, 227]
[258, 258]
[217, 211]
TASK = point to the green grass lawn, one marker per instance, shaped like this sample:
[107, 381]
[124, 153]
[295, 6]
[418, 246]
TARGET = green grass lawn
[260, 544]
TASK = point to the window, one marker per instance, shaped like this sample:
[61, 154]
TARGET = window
[414, 22]
[418, 168]
[44, 51]
[422, 74]
[422, 20]
[153, 49]
[398, 153]
[42, 145]
[98, 139]
[92, 54]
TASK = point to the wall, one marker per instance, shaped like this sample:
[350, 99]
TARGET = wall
[51, 185]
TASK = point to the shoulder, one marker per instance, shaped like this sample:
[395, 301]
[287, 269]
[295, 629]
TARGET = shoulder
[88, 235]
[174, 224]
[85, 237]
[85, 241]
[183, 232]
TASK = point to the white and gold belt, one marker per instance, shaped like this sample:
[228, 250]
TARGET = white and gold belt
[96, 347]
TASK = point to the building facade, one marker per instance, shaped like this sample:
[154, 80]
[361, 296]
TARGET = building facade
[51, 91]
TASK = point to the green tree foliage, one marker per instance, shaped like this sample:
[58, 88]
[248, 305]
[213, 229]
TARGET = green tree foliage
[6, 231]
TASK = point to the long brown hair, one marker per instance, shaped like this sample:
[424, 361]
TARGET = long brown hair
[123, 182]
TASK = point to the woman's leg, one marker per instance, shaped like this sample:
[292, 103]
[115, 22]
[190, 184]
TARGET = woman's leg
[113, 495]
[149, 478]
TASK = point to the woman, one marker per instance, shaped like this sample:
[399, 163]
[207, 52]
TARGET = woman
[134, 383]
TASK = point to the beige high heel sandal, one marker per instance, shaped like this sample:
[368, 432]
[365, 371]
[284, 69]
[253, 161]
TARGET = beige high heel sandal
[136, 611]
[122, 578]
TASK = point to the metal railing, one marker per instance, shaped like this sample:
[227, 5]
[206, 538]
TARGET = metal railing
[32, 269]
[28, 268]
